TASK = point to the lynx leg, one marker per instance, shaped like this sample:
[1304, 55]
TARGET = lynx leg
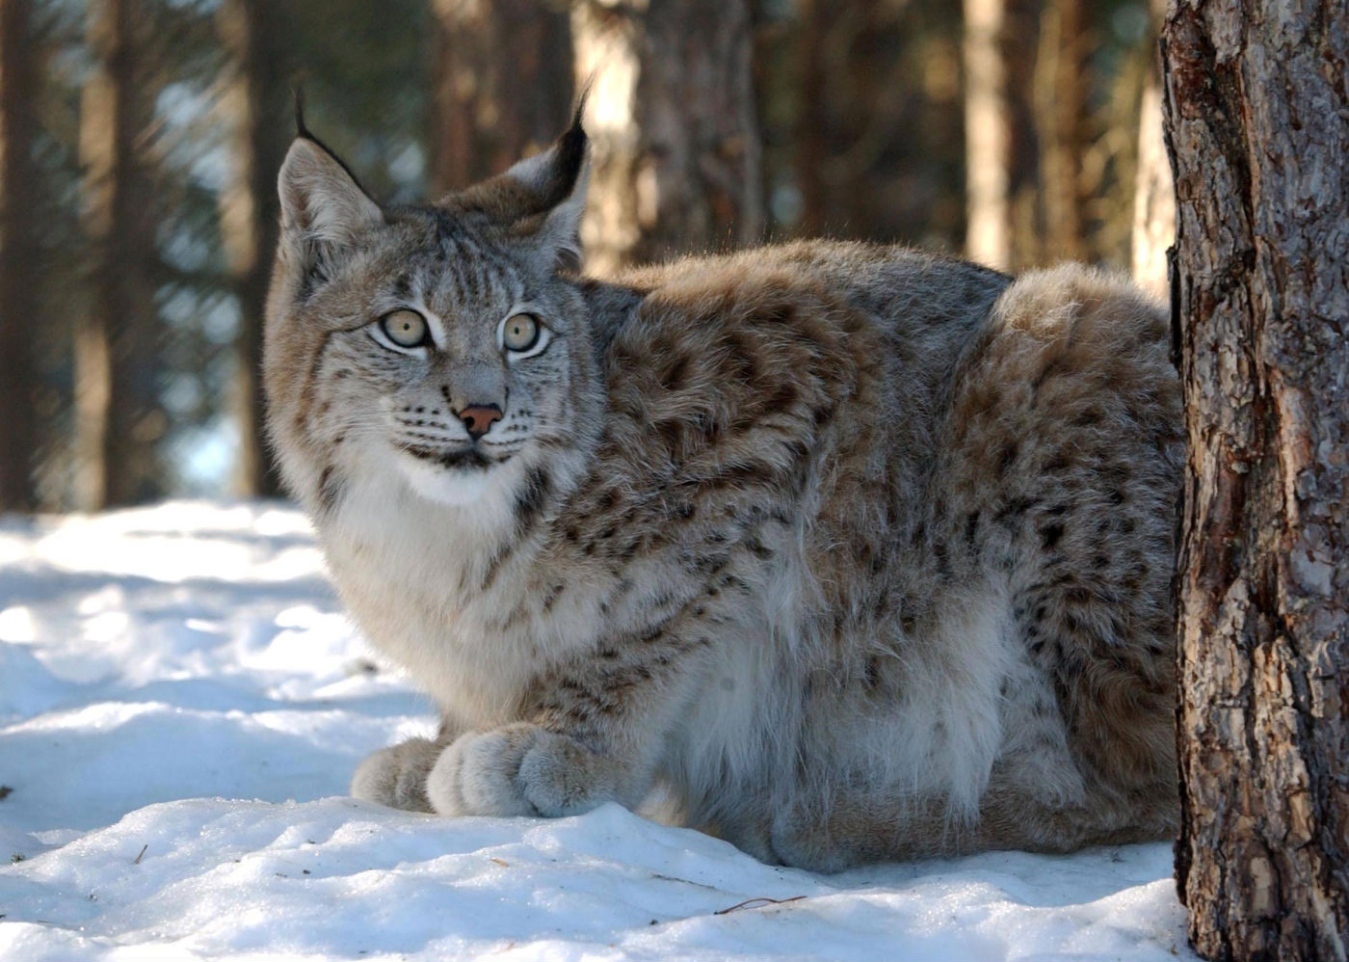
[594, 735]
[1010, 820]
[839, 834]
[852, 831]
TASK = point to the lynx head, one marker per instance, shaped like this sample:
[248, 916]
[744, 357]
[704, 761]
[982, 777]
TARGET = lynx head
[441, 349]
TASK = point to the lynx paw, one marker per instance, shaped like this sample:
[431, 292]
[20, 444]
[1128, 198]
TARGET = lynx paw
[518, 770]
[396, 776]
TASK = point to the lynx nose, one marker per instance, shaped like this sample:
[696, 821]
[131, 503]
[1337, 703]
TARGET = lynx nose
[479, 418]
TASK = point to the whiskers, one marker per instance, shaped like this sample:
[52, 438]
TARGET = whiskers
[341, 424]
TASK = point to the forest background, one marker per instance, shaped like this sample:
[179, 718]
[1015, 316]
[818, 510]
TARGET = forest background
[139, 143]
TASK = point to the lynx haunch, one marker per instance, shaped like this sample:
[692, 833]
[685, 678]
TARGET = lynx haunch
[847, 552]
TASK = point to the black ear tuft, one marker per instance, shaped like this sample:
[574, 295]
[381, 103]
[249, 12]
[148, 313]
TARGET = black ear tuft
[542, 196]
[569, 156]
[577, 128]
[302, 132]
[301, 129]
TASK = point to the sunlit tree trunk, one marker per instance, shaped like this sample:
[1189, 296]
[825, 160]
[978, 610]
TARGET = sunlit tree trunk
[117, 421]
[1257, 114]
[987, 136]
[1002, 185]
[257, 111]
[501, 85]
[675, 141]
[20, 256]
[1154, 227]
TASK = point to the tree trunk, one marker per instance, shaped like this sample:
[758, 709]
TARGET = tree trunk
[502, 85]
[20, 257]
[1020, 51]
[811, 133]
[1061, 87]
[1154, 228]
[257, 112]
[1257, 116]
[675, 143]
[987, 137]
[1002, 163]
[118, 423]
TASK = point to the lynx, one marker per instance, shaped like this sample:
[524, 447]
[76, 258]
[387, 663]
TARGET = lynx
[846, 552]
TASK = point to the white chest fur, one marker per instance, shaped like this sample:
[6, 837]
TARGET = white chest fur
[411, 572]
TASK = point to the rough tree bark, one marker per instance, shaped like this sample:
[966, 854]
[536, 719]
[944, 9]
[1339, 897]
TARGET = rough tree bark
[20, 257]
[1257, 115]
[501, 85]
[675, 142]
[258, 114]
[117, 422]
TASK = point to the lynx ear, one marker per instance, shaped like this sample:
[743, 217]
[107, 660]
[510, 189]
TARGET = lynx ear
[541, 196]
[321, 202]
[559, 177]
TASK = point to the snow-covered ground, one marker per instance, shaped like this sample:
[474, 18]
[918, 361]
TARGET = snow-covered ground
[182, 703]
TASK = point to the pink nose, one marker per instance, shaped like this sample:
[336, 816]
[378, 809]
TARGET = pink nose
[479, 418]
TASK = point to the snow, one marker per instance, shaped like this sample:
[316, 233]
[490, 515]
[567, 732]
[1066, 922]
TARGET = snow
[182, 703]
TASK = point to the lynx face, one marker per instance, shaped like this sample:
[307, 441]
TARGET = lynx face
[438, 343]
[457, 385]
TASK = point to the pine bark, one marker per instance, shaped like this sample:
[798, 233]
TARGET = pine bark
[257, 113]
[20, 257]
[675, 153]
[1257, 116]
[501, 85]
[117, 421]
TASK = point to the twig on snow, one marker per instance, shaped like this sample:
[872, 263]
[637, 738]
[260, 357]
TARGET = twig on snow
[758, 904]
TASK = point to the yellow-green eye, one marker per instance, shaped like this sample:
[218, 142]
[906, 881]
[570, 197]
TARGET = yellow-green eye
[521, 332]
[405, 328]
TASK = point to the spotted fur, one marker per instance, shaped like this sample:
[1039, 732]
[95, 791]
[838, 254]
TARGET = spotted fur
[847, 552]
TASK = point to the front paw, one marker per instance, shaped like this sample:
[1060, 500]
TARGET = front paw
[396, 776]
[519, 769]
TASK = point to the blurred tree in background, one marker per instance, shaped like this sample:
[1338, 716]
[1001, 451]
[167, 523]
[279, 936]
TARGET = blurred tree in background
[139, 142]
[1154, 226]
[501, 84]
[259, 127]
[20, 255]
[118, 423]
[675, 157]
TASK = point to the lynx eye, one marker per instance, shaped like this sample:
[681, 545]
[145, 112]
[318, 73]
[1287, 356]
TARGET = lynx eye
[521, 332]
[405, 328]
